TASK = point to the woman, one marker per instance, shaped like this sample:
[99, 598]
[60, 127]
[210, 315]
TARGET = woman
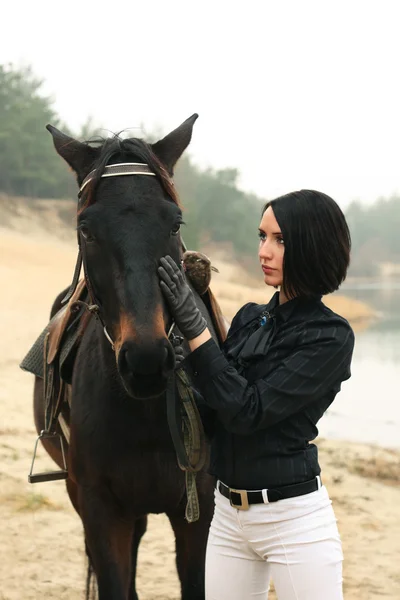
[277, 373]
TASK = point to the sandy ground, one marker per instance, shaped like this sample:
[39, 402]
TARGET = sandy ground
[41, 544]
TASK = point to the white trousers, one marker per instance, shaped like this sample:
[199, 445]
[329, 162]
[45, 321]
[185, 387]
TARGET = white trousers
[294, 541]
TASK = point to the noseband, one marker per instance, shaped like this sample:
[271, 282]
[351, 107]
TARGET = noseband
[94, 307]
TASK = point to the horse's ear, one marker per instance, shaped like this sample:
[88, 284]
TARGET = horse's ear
[172, 146]
[79, 156]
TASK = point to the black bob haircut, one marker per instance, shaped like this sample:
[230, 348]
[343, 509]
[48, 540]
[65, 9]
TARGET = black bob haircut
[317, 243]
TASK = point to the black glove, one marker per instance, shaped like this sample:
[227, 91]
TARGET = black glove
[179, 356]
[176, 341]
[180, 299]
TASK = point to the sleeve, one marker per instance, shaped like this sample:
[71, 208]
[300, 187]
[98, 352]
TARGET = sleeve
[320, 361]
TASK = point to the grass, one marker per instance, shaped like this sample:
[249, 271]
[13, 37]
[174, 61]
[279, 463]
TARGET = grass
[33, 502]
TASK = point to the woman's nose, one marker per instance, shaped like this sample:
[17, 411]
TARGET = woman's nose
[265, 250]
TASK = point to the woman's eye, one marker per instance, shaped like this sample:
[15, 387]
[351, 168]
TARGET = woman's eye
[175, 230]
[262, 236]
[280, 240]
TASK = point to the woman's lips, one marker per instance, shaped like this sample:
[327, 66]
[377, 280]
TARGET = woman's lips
[267, 269]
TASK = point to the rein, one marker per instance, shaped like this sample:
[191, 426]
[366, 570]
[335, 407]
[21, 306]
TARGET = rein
[182, 414]
[188, 439]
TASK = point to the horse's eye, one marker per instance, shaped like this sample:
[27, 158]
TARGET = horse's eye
[176, 228]
[86, 234]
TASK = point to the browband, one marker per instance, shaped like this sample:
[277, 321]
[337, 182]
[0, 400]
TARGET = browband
[118, 169]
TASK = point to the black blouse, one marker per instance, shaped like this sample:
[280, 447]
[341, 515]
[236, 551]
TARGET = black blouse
[277, 373]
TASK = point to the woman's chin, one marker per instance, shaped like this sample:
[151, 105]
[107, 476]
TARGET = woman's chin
[271, 280]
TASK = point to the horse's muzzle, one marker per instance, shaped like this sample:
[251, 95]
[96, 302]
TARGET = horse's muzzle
[144, 368]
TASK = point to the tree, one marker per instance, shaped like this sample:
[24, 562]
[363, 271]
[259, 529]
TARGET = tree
[375, 235]
[29, 165]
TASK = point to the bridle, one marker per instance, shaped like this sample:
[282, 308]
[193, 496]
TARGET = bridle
[94, 306]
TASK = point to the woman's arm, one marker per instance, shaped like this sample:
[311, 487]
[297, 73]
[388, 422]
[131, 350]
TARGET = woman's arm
[320, 362]
[200, 340]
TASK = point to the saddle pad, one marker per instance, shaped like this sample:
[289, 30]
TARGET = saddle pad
[34, 359]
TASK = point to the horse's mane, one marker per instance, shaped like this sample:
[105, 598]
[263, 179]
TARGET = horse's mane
[129, 150]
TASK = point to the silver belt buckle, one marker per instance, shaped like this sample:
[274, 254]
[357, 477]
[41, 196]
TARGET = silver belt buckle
[243, 497]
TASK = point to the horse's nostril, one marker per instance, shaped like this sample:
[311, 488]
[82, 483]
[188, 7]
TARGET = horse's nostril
[147, 360]
[130, 362]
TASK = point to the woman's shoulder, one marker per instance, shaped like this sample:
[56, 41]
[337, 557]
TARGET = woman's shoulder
[324, 323]
[331, 317]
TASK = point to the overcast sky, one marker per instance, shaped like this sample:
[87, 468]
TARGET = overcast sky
[294, 94]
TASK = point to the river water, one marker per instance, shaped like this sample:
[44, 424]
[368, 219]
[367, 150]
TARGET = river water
[367, 409]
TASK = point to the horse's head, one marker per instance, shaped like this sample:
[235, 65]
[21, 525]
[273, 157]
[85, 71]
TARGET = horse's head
[125, 225]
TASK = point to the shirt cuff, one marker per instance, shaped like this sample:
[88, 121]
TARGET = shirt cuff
[205, 361]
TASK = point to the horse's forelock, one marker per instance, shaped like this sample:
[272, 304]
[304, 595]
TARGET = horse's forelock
[131, 150]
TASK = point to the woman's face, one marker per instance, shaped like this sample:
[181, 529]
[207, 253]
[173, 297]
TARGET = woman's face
[271, 249]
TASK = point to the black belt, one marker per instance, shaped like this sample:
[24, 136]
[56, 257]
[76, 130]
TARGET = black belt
[241, 499]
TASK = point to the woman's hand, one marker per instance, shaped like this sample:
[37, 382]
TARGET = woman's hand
[180, 299]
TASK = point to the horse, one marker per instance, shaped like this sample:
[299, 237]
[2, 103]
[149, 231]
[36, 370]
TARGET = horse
[121, 460]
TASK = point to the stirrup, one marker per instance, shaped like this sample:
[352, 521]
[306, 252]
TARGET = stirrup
[48, 475]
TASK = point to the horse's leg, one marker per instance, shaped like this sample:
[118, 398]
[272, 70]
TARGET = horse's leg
[139, 531]
[109, 543]
[191, 542]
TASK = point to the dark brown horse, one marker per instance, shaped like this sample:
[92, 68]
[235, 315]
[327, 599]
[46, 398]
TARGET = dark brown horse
[121, 461]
